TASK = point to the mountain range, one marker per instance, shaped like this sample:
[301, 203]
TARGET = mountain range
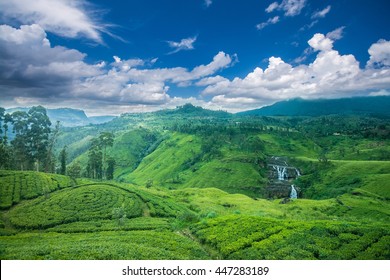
[375, 105]
[69, 117]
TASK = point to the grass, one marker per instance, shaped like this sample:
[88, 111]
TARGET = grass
[164, 165]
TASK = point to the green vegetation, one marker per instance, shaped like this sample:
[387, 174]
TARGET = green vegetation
[77, 204]
[261, 238]
[16, 186]
[139, 245]
[191, 183]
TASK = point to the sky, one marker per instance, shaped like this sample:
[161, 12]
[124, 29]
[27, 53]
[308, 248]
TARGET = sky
[113, 57]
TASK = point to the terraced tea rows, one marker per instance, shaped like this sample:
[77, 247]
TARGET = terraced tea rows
[140, 223]
[106, 245]
[261, 238]
[16, 186]
[78, 204]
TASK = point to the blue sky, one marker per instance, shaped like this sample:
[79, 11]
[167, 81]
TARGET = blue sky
[111, 57]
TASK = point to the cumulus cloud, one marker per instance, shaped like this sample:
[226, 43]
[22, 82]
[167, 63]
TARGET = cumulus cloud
[270, 21]
[29, 59]
[320, 43]
[379, 54]
[34, 72]
[66, 18]
[321, 13]
[330, 75]
[184, 44]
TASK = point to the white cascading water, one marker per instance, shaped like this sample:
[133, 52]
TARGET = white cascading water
[298, 173]
[282, 172]
[293, 194]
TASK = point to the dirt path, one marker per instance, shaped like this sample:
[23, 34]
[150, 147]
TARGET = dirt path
[214, 254]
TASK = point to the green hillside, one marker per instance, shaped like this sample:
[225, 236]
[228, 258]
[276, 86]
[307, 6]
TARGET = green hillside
[16, 186]
[191, 183]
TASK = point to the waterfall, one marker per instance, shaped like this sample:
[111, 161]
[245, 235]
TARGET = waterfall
[293, 194]
[282, 172]
[298, 173]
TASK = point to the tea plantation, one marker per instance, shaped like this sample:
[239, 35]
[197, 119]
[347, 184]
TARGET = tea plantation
[97, 220]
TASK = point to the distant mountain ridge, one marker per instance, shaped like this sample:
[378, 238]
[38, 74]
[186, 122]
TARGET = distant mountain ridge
[372, 105]
[69, 117]
[193, 111]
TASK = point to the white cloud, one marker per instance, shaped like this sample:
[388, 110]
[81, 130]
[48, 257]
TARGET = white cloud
[184, 44]
[336, 34]
[379, 54]
[292, 7]
[330, 75]
[272, 7]
[270, 21]
[208, 2]
[381, 92]
[322, 13]
[28, 58]
[34, 72]
[220, 61]
[66, 18]
[320, 43]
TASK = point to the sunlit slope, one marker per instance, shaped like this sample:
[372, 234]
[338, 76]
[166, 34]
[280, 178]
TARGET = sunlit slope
[214, 202]
[182, 161]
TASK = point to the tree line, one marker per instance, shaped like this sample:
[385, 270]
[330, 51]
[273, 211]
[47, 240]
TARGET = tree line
[31, 146]
[33, 140]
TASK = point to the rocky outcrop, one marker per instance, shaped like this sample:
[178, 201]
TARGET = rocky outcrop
[280, 177]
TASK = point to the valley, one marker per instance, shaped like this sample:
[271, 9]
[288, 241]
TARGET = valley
[191, 183]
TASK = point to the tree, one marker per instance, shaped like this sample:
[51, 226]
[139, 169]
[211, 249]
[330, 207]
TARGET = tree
[5, 119]
[74, 170]
[322, 156]
[63, 156]
[38, 134]
[5, 156]
[5, 151]
[94, 167]
[106, 139]
[50, 160]
[97, 156]
[19, 144]
[110, 168]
